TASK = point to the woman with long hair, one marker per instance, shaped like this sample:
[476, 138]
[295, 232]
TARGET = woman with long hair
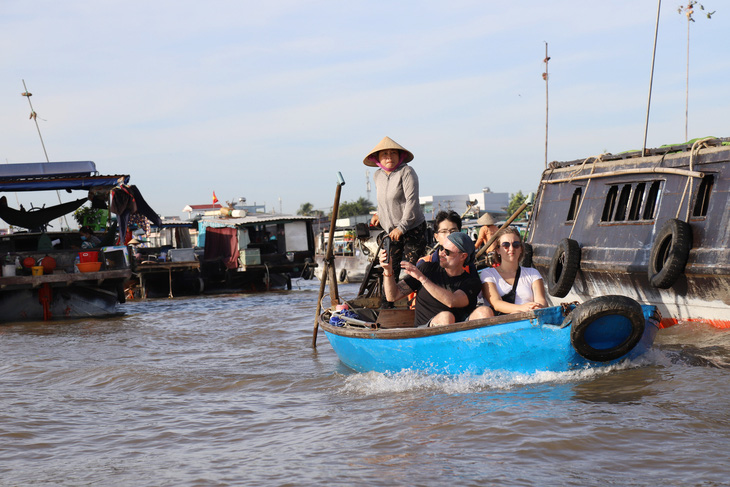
[511, 288]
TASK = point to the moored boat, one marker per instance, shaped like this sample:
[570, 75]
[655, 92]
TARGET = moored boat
[54, 289]
[652, 226]
[599, 332]
[255, 252]
[354, 248]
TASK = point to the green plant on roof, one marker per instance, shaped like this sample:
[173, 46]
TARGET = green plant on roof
[91, 217]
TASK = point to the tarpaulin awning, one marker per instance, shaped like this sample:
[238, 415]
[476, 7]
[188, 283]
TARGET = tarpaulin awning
[49, 176]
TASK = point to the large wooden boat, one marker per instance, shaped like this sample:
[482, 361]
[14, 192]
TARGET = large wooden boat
[653, 226]
[59, 291]
[600, 332]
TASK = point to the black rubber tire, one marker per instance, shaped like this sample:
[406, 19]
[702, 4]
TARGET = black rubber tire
[121, 293]
[343, 275]
[526, 260]
[669, 253]
[308, 273]
[587, 313]
[563, 268]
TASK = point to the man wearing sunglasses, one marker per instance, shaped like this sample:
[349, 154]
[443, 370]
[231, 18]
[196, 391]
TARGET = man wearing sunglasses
[445, 292]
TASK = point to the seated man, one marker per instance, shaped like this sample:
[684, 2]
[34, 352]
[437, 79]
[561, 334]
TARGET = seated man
[445, 292]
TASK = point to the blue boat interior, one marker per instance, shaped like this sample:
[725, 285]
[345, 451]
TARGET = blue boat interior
[608, 332]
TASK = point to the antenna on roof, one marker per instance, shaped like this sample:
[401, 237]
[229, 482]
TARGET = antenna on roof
[34, 116]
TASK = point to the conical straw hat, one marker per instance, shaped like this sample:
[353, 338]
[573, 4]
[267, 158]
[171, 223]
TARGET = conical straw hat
[485, 219]
[386, 143]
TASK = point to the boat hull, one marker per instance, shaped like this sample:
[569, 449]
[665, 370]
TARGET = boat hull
[617, 210]
[65, 303]
[524, 343]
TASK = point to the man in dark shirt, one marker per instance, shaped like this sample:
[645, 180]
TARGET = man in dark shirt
[445, 292]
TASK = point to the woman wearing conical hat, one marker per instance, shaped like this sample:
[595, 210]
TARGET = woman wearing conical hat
[399, 210]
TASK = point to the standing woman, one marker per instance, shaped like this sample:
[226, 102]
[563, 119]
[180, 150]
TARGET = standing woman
[399, 211]
[511, 288]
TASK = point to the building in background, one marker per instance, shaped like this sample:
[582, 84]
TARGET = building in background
[470, 205]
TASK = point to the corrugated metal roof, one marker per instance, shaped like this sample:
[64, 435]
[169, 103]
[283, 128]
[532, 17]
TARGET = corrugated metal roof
[258, 219]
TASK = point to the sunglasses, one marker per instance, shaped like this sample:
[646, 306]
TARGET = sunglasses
[448, 252]
[448, 232]
[515, 245]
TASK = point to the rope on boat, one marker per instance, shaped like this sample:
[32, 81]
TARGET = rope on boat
[696, 147]
[598, 158]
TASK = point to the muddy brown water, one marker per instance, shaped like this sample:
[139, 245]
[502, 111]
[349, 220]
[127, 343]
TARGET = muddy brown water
[226, 390]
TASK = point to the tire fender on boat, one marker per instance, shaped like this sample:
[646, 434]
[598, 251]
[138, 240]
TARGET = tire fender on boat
[121, 293]
[526, 260]
[308, 271]
[563, 267]
[606, 328]
[669, 253]
[343, 275]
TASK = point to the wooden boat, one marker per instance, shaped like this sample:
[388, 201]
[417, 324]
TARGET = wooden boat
[59, 292]
[650, 226]
[599, 332]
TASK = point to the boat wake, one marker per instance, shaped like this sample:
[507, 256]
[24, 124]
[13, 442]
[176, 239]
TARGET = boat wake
[696, 345]
[371, 383]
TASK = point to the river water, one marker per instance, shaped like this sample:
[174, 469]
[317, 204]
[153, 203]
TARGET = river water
[226, 390]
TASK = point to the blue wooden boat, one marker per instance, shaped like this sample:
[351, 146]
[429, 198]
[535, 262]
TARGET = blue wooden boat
[599, 332]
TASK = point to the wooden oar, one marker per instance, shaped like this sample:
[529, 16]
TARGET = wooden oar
[522, 207]
[329, 263]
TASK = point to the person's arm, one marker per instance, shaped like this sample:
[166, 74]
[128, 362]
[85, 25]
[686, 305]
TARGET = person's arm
[538, 291]
[456, 299]
[393, 291]
[489, 290]
[482, 239]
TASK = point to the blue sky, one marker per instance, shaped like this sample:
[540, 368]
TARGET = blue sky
[268, 100]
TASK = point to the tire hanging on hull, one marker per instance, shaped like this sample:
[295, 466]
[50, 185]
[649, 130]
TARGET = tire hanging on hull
[563, 268]
[669, 253]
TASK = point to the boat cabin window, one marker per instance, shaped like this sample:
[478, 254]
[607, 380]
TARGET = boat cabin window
[623, 203]
[627, 204]
[609, 204]
[651, 200]
[703, 196]
[574, 204]
[636, 200]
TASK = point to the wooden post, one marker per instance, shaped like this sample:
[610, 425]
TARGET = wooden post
[329, 263]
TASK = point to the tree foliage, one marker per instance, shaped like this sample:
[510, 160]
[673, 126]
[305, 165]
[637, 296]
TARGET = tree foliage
[362, 206]
[307, 209]
[514, 204]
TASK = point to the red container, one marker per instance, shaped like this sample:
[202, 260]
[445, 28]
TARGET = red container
[88, 257]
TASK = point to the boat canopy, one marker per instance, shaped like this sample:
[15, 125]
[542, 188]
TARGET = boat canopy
[48, 176]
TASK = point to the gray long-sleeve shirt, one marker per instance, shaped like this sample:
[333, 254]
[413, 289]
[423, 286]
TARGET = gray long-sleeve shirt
[398, 204]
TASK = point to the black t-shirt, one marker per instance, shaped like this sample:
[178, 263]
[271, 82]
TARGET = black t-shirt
[427, 306]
